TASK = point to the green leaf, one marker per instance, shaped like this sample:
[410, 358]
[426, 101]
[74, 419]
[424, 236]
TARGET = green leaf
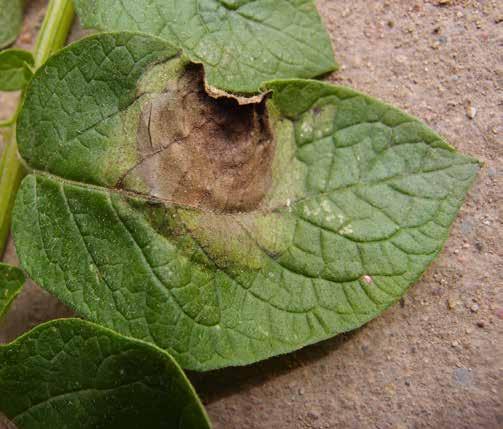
[11, 20]
[224, 234]
[15, 69]
[241, 43]
[11, 283]
[74, 374]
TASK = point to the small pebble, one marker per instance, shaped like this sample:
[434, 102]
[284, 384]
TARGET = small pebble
[463, 376]
[499, 313]
[474, 308]
[481, 324]
[313, 415]
[471, 111]
[466, 227]
[25, 38]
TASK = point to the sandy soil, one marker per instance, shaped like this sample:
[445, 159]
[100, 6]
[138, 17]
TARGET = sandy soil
[435, 360]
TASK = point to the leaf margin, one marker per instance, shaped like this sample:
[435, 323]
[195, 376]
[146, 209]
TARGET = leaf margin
[55, 324]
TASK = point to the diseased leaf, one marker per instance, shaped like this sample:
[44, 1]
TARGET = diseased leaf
[11, 283]
[11, 20]
[76, 375]
[91, 85]
[15, 69]
[241, 43]
[224, 234]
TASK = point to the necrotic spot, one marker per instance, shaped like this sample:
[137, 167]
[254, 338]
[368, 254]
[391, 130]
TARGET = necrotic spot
[203, 152]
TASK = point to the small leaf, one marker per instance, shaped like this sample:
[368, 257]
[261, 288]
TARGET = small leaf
[15, 69]
[224, 234]
[241, 43]
[76, 375]
[11, 20]
[11, 283]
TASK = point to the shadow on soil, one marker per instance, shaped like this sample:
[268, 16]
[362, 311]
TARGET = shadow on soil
[215, 385]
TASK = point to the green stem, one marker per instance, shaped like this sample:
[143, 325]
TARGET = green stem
[11, 174]
[54, 31]
[52, 36]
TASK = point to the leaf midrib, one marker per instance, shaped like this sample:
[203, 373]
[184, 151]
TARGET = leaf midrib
[278, 208]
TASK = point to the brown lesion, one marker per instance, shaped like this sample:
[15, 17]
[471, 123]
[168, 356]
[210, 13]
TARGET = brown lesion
[203, 152]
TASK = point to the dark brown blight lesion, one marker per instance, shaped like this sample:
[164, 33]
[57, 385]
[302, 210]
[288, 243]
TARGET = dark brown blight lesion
[203, 152]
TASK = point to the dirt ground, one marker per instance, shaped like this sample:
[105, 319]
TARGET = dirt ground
[435, 360]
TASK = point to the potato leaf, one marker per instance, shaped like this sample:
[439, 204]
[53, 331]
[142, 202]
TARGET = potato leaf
[11, 283]
[73, 374]
[241, 43]
[224, 234]
[11, 20]
[15, 69]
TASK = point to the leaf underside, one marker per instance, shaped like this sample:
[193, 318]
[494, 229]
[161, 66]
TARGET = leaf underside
[15, 69]
[241, 43]
[11, 19]
[143, 223]
[73, 374]
[11, 282]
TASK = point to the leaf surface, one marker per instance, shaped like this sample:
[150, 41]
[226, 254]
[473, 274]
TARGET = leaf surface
[15, 69]
[11, 283]
[241, 43]
[224, 234]
[73, 374]
[11, 19]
